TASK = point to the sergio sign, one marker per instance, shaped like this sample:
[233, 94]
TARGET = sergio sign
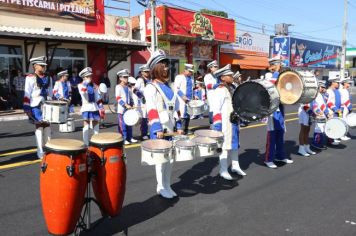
[80, 9]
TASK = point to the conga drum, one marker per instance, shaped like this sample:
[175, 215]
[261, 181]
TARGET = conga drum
[109, 182]
[63, 181]
[297, 87]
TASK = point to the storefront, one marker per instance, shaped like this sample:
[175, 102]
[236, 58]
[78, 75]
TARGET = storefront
[249, 54]
[186, 37]
[304, 54]
[72, 34]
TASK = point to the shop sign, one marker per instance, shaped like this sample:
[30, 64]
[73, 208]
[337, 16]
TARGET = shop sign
[202, 26]
[248, 43]
[305, 53]
[80, 9]
[122, 27]
[281, 47]
[165, 46]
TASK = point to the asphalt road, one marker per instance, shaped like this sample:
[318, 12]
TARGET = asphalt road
[313, 196]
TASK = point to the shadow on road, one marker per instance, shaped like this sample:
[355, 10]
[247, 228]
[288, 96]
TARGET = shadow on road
[9, 135]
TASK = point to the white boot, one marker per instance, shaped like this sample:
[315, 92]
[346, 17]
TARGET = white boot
[235, 166]
[96, 129]
[160, 169]
[302, 151]
[39, 142]
[86, 135]
[345, 138]
[308, 150]
[46, 134]
[224, 173]
[167, 178]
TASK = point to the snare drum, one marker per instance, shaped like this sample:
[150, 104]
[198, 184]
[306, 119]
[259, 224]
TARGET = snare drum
[63, 181]
[196, 108]
[297, 87]
[55, 112]
[132, 117]
[351, 120]
[185, 150]
[109, 183]
[206, 147]
[67, 127]
[156, 151]
[255, 99]
[179, 138]
[336, 128]
[216, 135]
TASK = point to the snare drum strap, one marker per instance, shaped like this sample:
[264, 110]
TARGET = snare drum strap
[166, 101]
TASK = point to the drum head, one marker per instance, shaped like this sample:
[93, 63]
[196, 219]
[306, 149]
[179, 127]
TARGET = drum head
[65, 145]
[104, 139]
[208, 133]
[185, 143]
[251, 101]
[131, 117]
[335, 128]
[156, 145]
[204, 141]
[56, 103]
[290, 87]
[351, 120]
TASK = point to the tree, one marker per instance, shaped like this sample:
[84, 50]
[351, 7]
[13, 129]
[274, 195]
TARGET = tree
[215, 13]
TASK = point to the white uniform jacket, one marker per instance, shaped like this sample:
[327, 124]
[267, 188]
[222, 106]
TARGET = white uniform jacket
[123, 97]
[58, 91]
[183, 86]
[88, 105]
[32, 93]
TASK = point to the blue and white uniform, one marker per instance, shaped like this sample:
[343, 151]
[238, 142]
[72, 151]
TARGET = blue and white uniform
[320, 110]
[140, 86]
[346, 101]
[210, 83]
[90, 99]
[334, 100]
[63, 90]
[124, 97]
[183, 86]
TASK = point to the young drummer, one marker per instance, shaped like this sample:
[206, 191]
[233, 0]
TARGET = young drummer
[222, 109]
[210, 83]
[38, 88]
[163, 114]
[305, 112]
[346, 105]
[334, 102]
[90, 104]
[62, 89]
[183, 86]
[124, 102]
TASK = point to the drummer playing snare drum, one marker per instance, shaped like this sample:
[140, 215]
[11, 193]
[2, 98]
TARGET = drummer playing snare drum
[163, 114]
[222, 110]
[38, 88]
[62, 89]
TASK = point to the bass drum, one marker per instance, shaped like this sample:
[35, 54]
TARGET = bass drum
[255, 99]
[297, 87]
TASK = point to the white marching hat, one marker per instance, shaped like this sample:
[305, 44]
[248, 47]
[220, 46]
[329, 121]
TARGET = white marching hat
[132, 80]
[156, 57]
[86, 72]
[237, 75]
[212, 64]
[334, 78]
[103, 88]
[144, 68]
[189, 67]
[226, 70]
[62, 73]
[123, 73]
[39, 61]
[322, 83]
[346, 80]
[275, 60]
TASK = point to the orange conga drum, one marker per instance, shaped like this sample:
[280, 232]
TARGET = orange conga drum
[63, 181]
[109, 182]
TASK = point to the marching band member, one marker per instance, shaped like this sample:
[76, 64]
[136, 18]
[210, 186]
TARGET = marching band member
[334, 101]
[90, 107]
[346, 104]
[163, 114]
[124, 102]
[140, 86]
[321, 111]
[304, 116]
[62, 89]
[275, 125]
[38, 88]
[222, 110]
[183, 86]
[210, 83]
[199, 94]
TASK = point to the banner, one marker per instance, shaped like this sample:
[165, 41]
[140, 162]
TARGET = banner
[248, 43]
[79, 9]
[281, 47]
[305, 53]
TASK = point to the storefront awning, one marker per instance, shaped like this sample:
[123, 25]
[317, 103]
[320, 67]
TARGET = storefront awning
[68, 36]
[247, 62]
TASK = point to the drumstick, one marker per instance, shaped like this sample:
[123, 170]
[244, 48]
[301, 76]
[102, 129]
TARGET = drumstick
[170, 134]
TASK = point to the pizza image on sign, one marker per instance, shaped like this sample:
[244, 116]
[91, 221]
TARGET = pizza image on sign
[122, 27]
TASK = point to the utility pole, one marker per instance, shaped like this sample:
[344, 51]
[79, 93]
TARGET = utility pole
[343, 53]
[154, 39]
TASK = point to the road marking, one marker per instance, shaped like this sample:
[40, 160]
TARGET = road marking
[18, 152]
[18, 164]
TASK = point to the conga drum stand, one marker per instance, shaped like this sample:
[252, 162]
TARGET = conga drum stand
[84, 222]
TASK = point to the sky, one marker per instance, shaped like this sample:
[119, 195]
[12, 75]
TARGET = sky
[318, 20]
